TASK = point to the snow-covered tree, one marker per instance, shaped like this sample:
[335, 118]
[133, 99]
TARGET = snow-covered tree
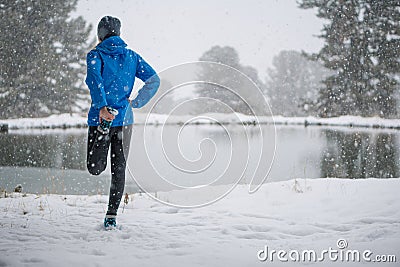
[362, 44]
[293, 83]
[228, 56]
[42, 57]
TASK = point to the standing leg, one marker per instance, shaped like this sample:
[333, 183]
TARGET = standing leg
[120, 140]
[97, 151]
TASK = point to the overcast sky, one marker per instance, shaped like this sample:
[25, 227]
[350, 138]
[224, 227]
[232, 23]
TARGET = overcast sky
[171, 32]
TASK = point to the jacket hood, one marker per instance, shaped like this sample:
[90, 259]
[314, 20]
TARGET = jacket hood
[113, 45]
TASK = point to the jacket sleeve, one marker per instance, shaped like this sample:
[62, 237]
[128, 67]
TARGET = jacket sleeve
[151, 83]
[94, 80]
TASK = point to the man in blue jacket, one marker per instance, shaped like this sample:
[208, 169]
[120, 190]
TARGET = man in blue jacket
[111, 72]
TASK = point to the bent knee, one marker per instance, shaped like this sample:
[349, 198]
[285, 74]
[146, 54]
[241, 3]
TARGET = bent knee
[95, 169]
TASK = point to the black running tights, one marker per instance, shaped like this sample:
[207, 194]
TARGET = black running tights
[97, 151]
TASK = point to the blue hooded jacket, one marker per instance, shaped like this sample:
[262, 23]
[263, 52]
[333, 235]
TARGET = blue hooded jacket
[111, 72]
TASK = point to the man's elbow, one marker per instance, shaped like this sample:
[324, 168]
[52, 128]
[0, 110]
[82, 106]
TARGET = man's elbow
[155, 81]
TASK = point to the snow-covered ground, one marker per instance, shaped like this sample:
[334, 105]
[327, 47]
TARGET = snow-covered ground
[295, 215]
[53, 121]
[77, 120]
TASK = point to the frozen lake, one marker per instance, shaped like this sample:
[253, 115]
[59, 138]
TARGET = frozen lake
[54, 161]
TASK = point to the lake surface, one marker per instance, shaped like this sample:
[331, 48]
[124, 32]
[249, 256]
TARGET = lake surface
[54, 161]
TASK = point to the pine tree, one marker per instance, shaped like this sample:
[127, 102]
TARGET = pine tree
[237, 94]
[293, 82]
[42, 52]
[382, 22]
[362, 45]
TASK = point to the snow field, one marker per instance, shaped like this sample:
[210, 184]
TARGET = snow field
[79, 121]
[56, 230]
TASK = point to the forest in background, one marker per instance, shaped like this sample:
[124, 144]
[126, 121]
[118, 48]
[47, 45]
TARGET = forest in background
[43, 50]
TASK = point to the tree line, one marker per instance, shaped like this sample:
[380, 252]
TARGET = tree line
[357, 71]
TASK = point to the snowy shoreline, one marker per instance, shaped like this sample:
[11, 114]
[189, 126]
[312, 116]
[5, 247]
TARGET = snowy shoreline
[302, 214]
[66, 121]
